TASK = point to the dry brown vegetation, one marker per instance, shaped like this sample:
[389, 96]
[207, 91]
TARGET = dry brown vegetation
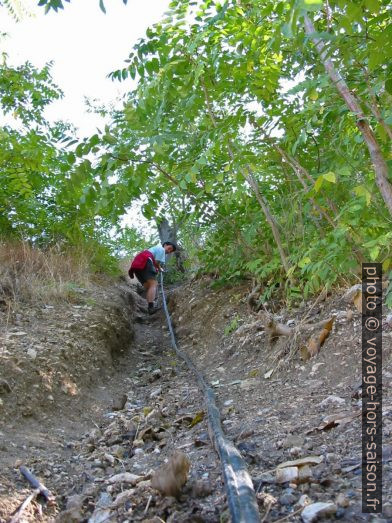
[29, 274]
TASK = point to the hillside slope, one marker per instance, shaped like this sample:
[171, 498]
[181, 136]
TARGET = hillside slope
[93, 389]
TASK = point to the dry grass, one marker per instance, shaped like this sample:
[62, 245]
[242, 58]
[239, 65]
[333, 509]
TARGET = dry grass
[31, 275]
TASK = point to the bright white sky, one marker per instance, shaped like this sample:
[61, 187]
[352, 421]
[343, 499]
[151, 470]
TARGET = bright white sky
[85, 45]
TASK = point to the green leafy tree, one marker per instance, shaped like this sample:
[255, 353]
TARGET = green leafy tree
[212, 117]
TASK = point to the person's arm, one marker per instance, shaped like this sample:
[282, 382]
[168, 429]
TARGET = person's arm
[161, 266]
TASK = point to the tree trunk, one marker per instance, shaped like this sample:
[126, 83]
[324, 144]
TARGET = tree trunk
[268, 215]
[168, 233]
[254, 186]
[379, 163]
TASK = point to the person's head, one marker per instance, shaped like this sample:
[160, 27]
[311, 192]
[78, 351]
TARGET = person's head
[169, 247]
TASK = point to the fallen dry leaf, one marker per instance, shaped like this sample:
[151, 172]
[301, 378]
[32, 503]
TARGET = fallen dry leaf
[316, 342]
[313, 347]
[287, 474]
[333, 420]
[358, 300]
[197, 419]
[171, 476]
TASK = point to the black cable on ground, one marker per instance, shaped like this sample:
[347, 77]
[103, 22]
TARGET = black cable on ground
[241, 496]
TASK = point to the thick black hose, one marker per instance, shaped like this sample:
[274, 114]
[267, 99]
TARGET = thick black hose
[241, 496]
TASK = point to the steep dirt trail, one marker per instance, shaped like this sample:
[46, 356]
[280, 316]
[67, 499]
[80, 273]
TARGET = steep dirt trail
[140, 404]
[145, 408]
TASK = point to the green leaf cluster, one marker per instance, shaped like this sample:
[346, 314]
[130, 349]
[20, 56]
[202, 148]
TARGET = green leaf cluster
[230, 94]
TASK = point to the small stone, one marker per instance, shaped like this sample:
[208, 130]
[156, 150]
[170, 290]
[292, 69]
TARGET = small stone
[304, 501]
[265, 478]
[142, 485]
[317, 510]
[287, 474]
[340, 513]
[292, 441]
[247, 384]
[73, 513]
[351, 292]
[99, 516]
[387, 453]
[305, 474]
[74, 502]
[124, 477]
[156, 374]
[156, 392]
[119, 403]
[287, 499]
[108, 457]
[201, 488]
[105, 500]
[330, 457]
[332, 400]
[94, 434]
[315, 367]
[69, 516]
[32, 353]
[342, 501]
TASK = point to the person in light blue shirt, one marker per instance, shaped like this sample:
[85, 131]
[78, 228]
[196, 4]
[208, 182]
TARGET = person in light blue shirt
[159, 253]
[146, 265]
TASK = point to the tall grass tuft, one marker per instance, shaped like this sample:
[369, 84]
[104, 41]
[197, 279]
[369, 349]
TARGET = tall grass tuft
[28, 274]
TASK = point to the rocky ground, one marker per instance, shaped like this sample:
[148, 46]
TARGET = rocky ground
[98, 406]
[280, 410]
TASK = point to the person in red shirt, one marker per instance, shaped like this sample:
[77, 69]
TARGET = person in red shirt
[146, 265]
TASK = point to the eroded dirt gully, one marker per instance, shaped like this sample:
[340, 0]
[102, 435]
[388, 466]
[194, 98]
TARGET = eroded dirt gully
[93, 389]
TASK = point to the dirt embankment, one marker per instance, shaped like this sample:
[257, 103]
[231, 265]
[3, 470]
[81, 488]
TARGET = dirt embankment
[52, 354]
[93, 390]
